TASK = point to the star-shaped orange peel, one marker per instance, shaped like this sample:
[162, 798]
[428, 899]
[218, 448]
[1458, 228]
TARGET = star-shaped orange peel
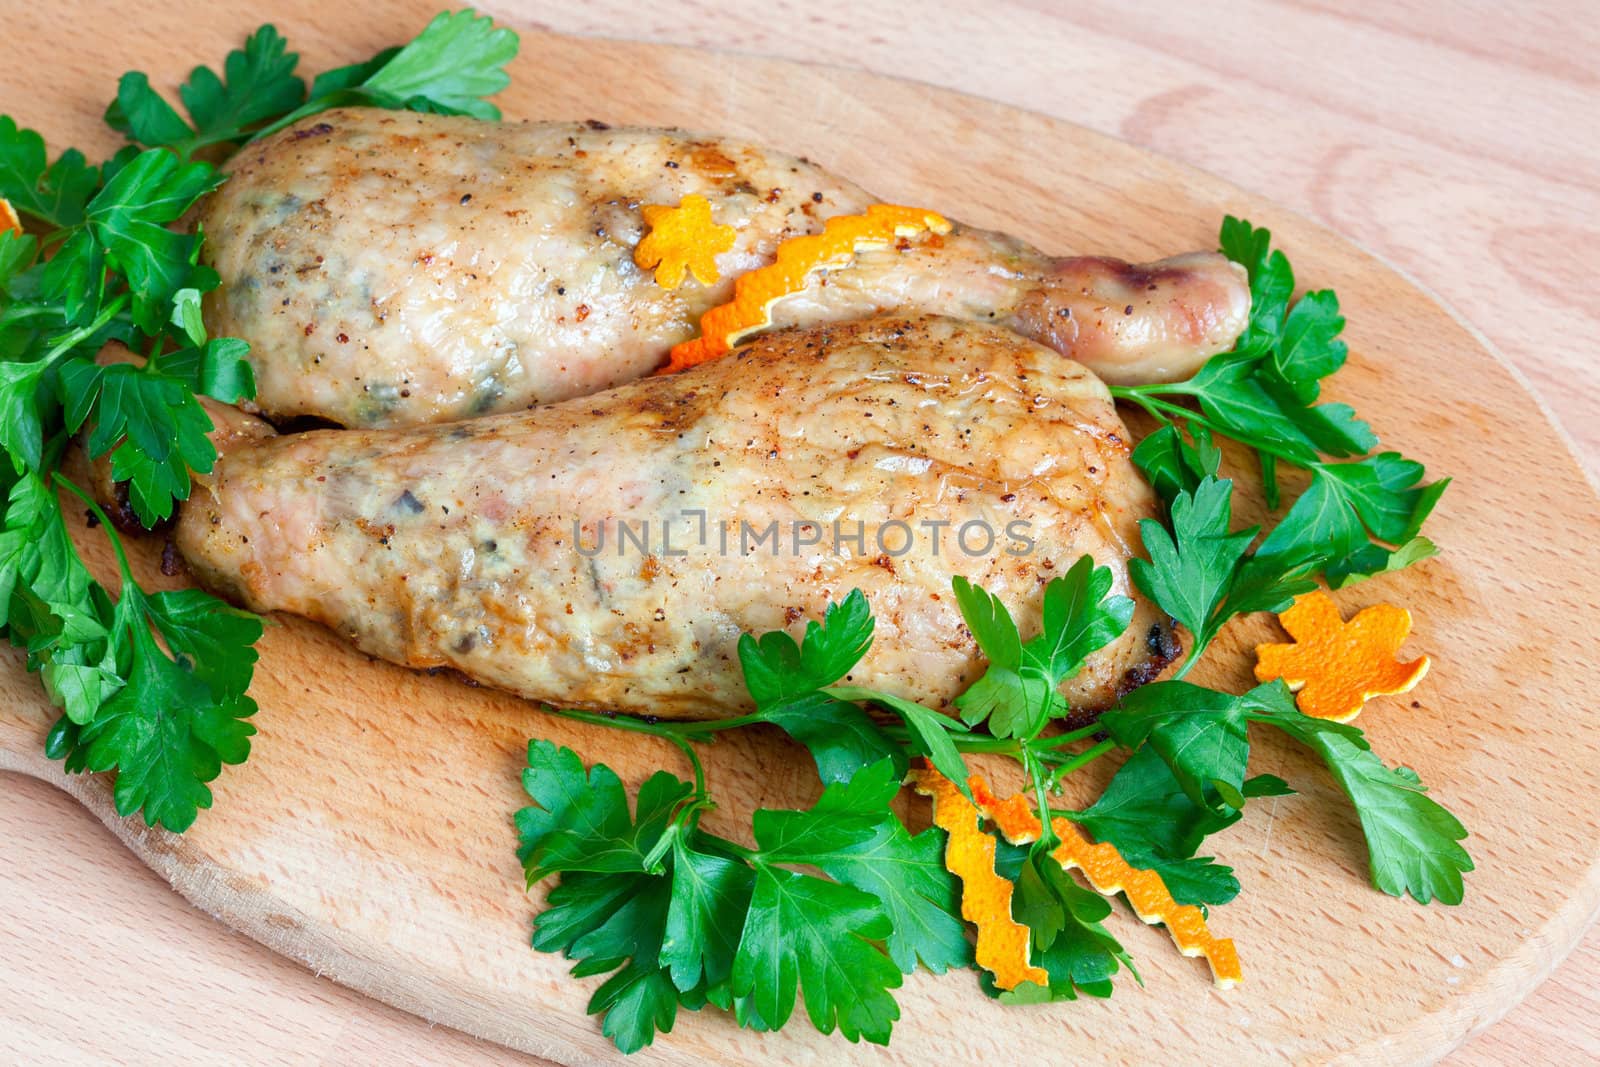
[682, 239]
[1334, 667]
[8, 217]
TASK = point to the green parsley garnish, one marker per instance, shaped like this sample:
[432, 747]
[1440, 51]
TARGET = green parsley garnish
[101, 262]
[682, 917]
[1362, 511]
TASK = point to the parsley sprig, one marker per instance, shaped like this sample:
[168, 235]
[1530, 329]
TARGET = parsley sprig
[105, 260]
[1362, 512]
[837, 901]
[1202, 737]
[451, 66]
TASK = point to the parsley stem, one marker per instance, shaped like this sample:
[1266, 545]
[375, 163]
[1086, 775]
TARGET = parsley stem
[58, 232]
[964, 741]
[668, 730]
[694, 761]
[1188, 663]
[673, 732]
[722, 844]
[186, 149]
[1070, 736]
[1081, 760]
[1166, 411]
[105, 523]
[73, 338]
[1041, 793]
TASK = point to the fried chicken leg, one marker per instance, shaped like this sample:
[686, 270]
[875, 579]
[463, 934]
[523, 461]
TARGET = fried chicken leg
[392, 269]
[607, 552]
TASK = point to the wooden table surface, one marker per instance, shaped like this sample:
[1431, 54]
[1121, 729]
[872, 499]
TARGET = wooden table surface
[1453, 139]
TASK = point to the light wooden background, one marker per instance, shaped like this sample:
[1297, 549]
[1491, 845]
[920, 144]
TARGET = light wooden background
[1456, 139]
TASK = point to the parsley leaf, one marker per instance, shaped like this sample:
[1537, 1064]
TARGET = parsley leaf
[1237, 403]
[1152, 821]
[1310, 349]
[1200, 736]
[52, 193]
[1332, 519]
[128, 219]
[1080, 617]
[1004, 696]
[1271, 281]
[878, 856]
[930, 729]
[839, 735]
[582, 821]
[1200, 733]
[699, 943]
[1065, 924]
[154, 428]
[1019, 691]
[615, 924]
[1191, 568]
[786, 680]
[684, 918]
[450, 66]
[170, 729]
[1144, 810]
[453, 63]
[1173, 464]
[1412, 841]
[1198, 880]
[47, 596]
[1372, 560]
[776, 668]
[805, 933]
[1201, 571]
[258, 84]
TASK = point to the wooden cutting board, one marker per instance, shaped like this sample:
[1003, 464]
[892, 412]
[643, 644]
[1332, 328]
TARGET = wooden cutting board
[370, 834]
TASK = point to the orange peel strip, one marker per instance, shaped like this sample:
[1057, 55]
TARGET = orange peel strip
[1004, 945]
[842, 237]
[1334, 667]
[1105, 869]
[682, 239]
[1011, 816]
[8, 217]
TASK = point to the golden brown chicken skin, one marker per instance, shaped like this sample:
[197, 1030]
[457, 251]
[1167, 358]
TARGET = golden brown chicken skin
[607, 552]
[391, 268]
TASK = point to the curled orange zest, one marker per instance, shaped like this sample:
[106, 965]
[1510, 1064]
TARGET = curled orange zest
[682, 238]
[1012, 816]
[754, 293]
[8, 217]
[1334, 666]
[1109, 873]
[1004, 945]
[1105, 869]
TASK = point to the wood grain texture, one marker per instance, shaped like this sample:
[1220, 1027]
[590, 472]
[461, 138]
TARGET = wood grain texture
[1101, 70]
